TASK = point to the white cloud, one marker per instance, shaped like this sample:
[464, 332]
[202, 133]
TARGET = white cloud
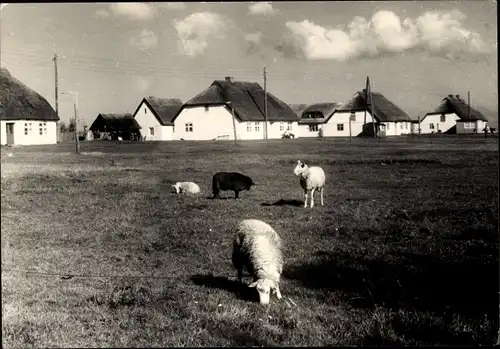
[172, 5]
[261, 8]
[101, 13]
[436, 32]
[133, 10]
[253, 37]
[197, 29]
[145, 40]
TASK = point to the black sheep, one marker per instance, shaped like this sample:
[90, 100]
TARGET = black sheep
[230, 181]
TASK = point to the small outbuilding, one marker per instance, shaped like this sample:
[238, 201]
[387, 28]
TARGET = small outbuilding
[112, 126]
[26, 118]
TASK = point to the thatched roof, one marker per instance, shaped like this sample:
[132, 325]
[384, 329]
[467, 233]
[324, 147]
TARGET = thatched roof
[318, 113]
[19, 102]
[298, 108]
[455, 104]
[164, 109]
[247, 99]
[383, 109]
[114, 122]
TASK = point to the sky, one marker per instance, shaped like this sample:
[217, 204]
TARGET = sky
[114, 54]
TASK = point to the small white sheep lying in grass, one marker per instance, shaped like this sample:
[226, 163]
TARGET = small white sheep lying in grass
[186, 187]
[257, 248]
[311, 178]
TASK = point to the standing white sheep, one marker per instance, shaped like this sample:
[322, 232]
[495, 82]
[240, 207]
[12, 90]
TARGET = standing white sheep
[257, 248]
[186, 187]
[311, 178]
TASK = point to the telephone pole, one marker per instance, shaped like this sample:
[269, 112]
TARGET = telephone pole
[56, 85]
[371, 105]
[265, 101]
[366, 102]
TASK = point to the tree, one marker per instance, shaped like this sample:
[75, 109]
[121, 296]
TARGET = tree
[63, 127]
[72, 125]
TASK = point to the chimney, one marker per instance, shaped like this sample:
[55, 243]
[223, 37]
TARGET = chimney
[451, 96]
[229, 79]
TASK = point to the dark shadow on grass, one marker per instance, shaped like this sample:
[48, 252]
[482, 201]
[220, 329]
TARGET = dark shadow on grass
[283, 202]
[444, 285]
[223, 283]
[222, 198]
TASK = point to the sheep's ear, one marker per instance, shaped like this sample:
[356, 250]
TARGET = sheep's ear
[253, 284]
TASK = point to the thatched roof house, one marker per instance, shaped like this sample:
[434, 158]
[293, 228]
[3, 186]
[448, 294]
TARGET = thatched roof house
[318, 113]
[247, 99]
[115, 123]
[383, 109]
[26, 118]
[19, 102]
[164, 109]
[455, 104]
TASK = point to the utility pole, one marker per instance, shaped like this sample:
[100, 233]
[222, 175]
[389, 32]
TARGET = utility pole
[234, 121]
[366, 102]
[56, 85]
[371, 104]
[265, 101]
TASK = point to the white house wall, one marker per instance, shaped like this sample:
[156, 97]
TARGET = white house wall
[33, 136]
[147, 120]
[305, 132]
[433, 122]
[211, 123]
[331, 128]
[471, 126]
[217, 123]
[397, 128]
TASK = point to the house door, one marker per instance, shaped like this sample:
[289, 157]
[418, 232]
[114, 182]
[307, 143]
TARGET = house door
[10, 133]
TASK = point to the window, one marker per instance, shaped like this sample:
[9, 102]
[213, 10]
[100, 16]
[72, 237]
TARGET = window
[282, 126]
[249, 127]
[388, 126]
[45, 130]
[468, 125]
[257, 127]
[189, 127]
[406, 125]
[401, 125]
[173, 129]
[431, 126]
[340, 127]
[313, 128]
[352, 117]
[289, 126]
[443, 118]
[25, 130]
[151, 131]
[145, 110]
[40, 129]
[206, 107]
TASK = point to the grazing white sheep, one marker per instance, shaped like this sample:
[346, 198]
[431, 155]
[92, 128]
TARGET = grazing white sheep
[257, 248]
[186, 187]
[311, 178]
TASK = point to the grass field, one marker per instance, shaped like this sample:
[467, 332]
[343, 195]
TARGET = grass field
[405, 250]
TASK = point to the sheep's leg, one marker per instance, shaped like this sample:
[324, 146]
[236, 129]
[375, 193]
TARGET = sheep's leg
[321, 190]
[278, 293]
[240, 274]
[312, 197]
[305, 198]
[236, 194]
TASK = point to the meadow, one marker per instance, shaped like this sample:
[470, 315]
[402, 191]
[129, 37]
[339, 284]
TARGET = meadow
[405, 250]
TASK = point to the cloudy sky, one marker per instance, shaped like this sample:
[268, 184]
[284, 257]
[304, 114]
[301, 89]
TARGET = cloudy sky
[114, 54]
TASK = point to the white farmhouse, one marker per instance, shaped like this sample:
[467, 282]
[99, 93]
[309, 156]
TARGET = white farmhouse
[26, 117]
[451, 116]
[155, 116]
[314, 117]
[389, 119]
[234, 108]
